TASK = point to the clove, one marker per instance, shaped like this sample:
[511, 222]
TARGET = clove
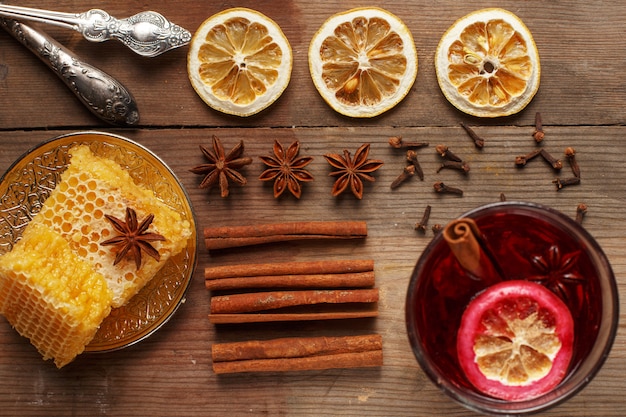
[421, 225]
[581, 210]
[570, 154]
[538, 134]
[446, 153]
[566, 182]
[460, 166]
[442, 188]
[555, 163]
[520, 161]
[437, 227]
[411, 156]
[397, 143]
[407, 173]
[478, 141]
[502, 197]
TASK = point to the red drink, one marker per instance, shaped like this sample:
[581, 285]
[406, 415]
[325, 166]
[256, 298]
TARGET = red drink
[527, 242]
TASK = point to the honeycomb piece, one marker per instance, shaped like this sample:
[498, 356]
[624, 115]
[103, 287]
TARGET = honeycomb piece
[58, 305]
[93, 186]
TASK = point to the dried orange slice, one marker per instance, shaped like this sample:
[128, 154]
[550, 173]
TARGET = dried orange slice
[515, 341]
[363, 61]
[487, 64]
[239, 61]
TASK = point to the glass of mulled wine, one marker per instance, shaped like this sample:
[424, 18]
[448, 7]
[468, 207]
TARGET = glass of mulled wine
[527, 242]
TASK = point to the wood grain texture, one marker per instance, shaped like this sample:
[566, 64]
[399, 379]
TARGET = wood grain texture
[582, 99]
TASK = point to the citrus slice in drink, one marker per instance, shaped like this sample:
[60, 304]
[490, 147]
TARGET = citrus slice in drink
[363, 61]
[487, 64]
[515, 341]
[239, 61]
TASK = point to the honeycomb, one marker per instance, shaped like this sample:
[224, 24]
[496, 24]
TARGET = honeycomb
[58, 305]
[92, 187]
[58, 283]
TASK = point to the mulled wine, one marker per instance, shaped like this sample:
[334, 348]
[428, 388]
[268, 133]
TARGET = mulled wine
[525, 242]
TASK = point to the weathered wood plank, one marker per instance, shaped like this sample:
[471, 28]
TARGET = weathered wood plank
[582, 97]
[169, 374]
[581, 68]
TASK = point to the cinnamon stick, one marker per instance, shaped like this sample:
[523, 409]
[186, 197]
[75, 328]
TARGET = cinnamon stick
[261, 301]
[297, 354]
[308, 274]
[293, 347]
[355, 280]
[289, 268]
[342, 360]
[238, 318]
[468, 246]
[461, 237]
[236, 236]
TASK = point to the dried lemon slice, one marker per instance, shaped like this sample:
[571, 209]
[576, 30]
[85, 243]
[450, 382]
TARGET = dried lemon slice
[515, 340]
[363, 61]
[239, 61]
[487, 64]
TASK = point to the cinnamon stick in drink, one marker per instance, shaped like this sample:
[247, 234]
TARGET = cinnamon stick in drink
[461, 237]
[467, 244]
[296, 354]
[307, 274]
[237, 236]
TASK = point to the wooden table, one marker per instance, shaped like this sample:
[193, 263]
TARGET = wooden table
[582, 99]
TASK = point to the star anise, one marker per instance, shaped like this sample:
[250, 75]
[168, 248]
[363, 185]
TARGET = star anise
[558, 272]
[286, 169]
[133, 237]
[222, 167]
[352, 172]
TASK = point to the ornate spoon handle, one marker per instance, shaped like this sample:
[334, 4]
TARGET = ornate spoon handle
[147, 33]
[106, 97]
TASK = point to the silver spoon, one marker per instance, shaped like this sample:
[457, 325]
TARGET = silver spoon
[147, 33]
[102, 94]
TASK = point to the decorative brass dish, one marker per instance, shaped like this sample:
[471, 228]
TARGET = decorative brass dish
[28, 183]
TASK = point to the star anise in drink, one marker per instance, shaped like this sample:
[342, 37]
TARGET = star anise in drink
[222, 167]
[351, 172]
[558, 272]
[133, 237]
[286, 169]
